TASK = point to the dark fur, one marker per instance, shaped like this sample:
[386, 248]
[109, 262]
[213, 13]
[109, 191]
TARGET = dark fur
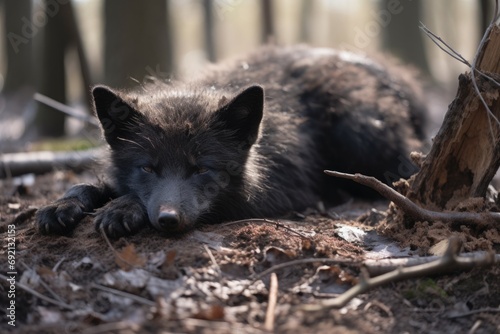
[214, 149]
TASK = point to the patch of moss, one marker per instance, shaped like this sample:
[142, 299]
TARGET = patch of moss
[77, 144]
[426, 288]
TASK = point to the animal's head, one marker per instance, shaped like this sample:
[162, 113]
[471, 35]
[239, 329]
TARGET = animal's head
[180, 152]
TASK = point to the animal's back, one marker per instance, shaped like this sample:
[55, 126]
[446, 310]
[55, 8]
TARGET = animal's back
[324, 109]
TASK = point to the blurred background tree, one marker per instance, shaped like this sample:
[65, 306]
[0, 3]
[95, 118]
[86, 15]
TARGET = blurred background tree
[18, 73]
[138, 39]
[124, 40]
[51, 43]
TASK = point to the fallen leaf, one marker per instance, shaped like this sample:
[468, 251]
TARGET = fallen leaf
[46, 272]
[128, 258]
[275, 255]
[215, 312]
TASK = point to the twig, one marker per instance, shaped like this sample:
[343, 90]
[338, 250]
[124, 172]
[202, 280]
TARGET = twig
[413, 210]
[294, 263]
[265, 221]
[449, 261]
[271, 305]
[452, 52]
[45, 285]
[471, 312]
[39, 295]
[381, 306]
[123, 294]
[489, 113]
[64, 108]
[212, 258]
[298, 262]
[382, 266]
[447, 49]
[58, 264]
[474, 327]
[117, 254]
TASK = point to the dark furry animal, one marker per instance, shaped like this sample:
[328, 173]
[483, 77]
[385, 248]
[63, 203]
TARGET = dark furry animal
[249, 138]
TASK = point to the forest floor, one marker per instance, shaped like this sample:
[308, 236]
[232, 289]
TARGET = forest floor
[207, 280]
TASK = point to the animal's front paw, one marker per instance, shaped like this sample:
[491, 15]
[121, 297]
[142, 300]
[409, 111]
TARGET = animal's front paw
[60, 217]
[120, 217]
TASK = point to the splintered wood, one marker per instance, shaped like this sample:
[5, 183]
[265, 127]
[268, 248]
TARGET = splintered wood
[466, 153]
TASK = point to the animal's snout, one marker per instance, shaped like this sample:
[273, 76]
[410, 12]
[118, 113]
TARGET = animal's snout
[169, 219]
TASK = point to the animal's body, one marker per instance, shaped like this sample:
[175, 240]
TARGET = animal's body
[248, 138]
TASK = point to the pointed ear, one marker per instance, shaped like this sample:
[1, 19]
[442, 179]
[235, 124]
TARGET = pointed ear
[117, 117]
[243, 114]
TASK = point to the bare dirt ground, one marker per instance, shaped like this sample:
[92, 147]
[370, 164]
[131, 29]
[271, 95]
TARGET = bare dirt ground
[207, 281]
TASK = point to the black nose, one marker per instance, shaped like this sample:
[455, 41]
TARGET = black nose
[168, 219]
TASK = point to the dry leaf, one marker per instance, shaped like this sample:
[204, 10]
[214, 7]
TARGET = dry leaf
[215, 312]
[45, 272]
[128, 258]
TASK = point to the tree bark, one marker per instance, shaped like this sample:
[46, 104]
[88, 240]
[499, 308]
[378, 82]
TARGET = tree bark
[19, 57]
[209, 31]
[466, 151]
[137, 41]
[401, 35]
[51, 80]
[267, 22]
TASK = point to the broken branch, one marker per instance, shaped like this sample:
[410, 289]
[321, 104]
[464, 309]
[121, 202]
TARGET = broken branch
[271, 305]
[414, 211]
[15, 164]
[449, 261]
[382, 266]
[39, 295]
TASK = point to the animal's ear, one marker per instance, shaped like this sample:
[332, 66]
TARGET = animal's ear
[243, 114]
[117, 117]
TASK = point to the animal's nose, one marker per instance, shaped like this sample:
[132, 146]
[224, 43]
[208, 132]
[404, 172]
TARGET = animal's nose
[168, 220]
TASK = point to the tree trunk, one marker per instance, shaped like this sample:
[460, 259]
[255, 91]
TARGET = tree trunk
[208, 13]
[51, 73]
[137, 41]
[466, 152]
[75, 40]
[401, 34]
[267, 22]
[18, 47]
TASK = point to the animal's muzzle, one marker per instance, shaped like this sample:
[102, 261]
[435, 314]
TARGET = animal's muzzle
[169, 220]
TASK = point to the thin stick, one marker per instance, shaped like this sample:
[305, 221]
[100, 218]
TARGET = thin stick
[116, 253]
[489, 113]
[39, 295]
[449, 261]
[45, 285]
[124, 294]
[212, 258]
[298, 262]
[471, 312]
[56, 266]
[64, 108]
[452, 52]
[414, 211]
[294, 263]
[448, 50]
[382, 266]
[265, 221]
[271, 305]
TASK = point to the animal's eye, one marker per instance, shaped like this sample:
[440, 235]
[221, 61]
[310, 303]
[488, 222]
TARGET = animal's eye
[147, 169]
[201, 170]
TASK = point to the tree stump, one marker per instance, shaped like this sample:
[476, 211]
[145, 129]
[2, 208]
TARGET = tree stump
[466, 151]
